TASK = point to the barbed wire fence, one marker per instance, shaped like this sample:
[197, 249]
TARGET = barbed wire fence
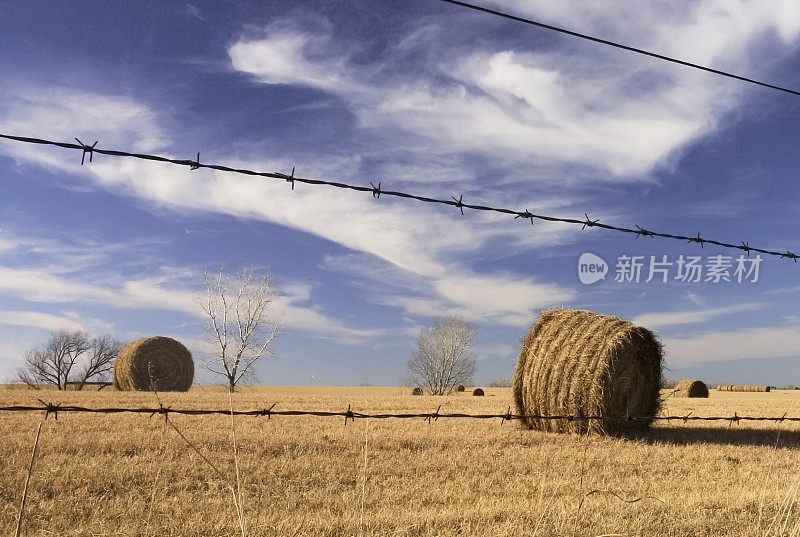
[53, 409]
[47, 409]
[377, 191]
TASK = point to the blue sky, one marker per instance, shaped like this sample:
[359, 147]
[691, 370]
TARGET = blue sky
[425, 97]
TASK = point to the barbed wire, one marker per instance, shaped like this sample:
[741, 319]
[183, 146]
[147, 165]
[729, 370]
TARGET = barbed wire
[54, 409]
[616, 45]
[377, 191]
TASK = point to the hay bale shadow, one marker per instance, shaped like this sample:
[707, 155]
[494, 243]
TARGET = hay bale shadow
[683, 435]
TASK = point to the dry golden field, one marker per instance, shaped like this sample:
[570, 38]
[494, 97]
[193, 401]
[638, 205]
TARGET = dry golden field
[133, 475]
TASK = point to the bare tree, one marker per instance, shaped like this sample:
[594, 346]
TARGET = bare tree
[100, 363]
[443, 358]
[58, 360]
[242, 323]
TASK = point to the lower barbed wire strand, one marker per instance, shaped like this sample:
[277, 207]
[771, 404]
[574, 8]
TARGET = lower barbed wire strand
[351, 414]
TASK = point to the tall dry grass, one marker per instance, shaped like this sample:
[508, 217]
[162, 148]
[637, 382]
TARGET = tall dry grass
[127, 474]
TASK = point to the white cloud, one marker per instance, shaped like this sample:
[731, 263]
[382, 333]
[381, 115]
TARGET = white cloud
[47, 321]
[696, 299]
[158, 293]
[418, 240]
[485, 299]
[70, 255]
[171, 289]
[280, 59]
[515, 104]
[195, 12]
[585, 105]
[504, 299]
[42, 285]
[766, 342]
[8, 243]
[705, 32]
[63, 113]
[310, 319]
[658, 320]
[11, 353]
[495, 351]
[605, 110]
[34, 319]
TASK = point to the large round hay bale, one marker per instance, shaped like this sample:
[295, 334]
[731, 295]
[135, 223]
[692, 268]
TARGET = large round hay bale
[582, 363]
[167, 361]
[478, 392]
[691, 388]
[460, 388]
[416, 391]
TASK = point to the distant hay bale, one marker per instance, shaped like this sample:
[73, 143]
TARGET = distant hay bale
[477, 391]
[691, 388]
[167, 360]
[582, 363]
[416, 391]
[460, 388]
[742, 388]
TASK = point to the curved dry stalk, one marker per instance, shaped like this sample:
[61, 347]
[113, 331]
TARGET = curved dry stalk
[240, 505]
[207, 461]
[155, 481]
[27, 480]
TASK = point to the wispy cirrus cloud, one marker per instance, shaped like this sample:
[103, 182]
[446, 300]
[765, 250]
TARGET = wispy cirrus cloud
[618, 119]
[52, 111]
[716, 346]
[657, 320]
[49, 321]
[493, 298]
[44, 284]
[418, 240]
[597, 109]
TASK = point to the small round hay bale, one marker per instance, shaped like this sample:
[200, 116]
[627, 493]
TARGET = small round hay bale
[582, 363]
[691, 388]
[478, 392]
[168, 362]
[416, 391]
[460, 388]
[742, 388]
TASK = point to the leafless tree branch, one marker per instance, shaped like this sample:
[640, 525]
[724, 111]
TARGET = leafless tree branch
[443, 358]
[242, 324]
[56, 361]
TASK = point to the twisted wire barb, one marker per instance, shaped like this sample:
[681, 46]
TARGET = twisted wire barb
[352, 415]
[377, 191]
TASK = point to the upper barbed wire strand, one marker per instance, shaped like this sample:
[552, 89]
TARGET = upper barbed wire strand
[614, 44]
[453, 202]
